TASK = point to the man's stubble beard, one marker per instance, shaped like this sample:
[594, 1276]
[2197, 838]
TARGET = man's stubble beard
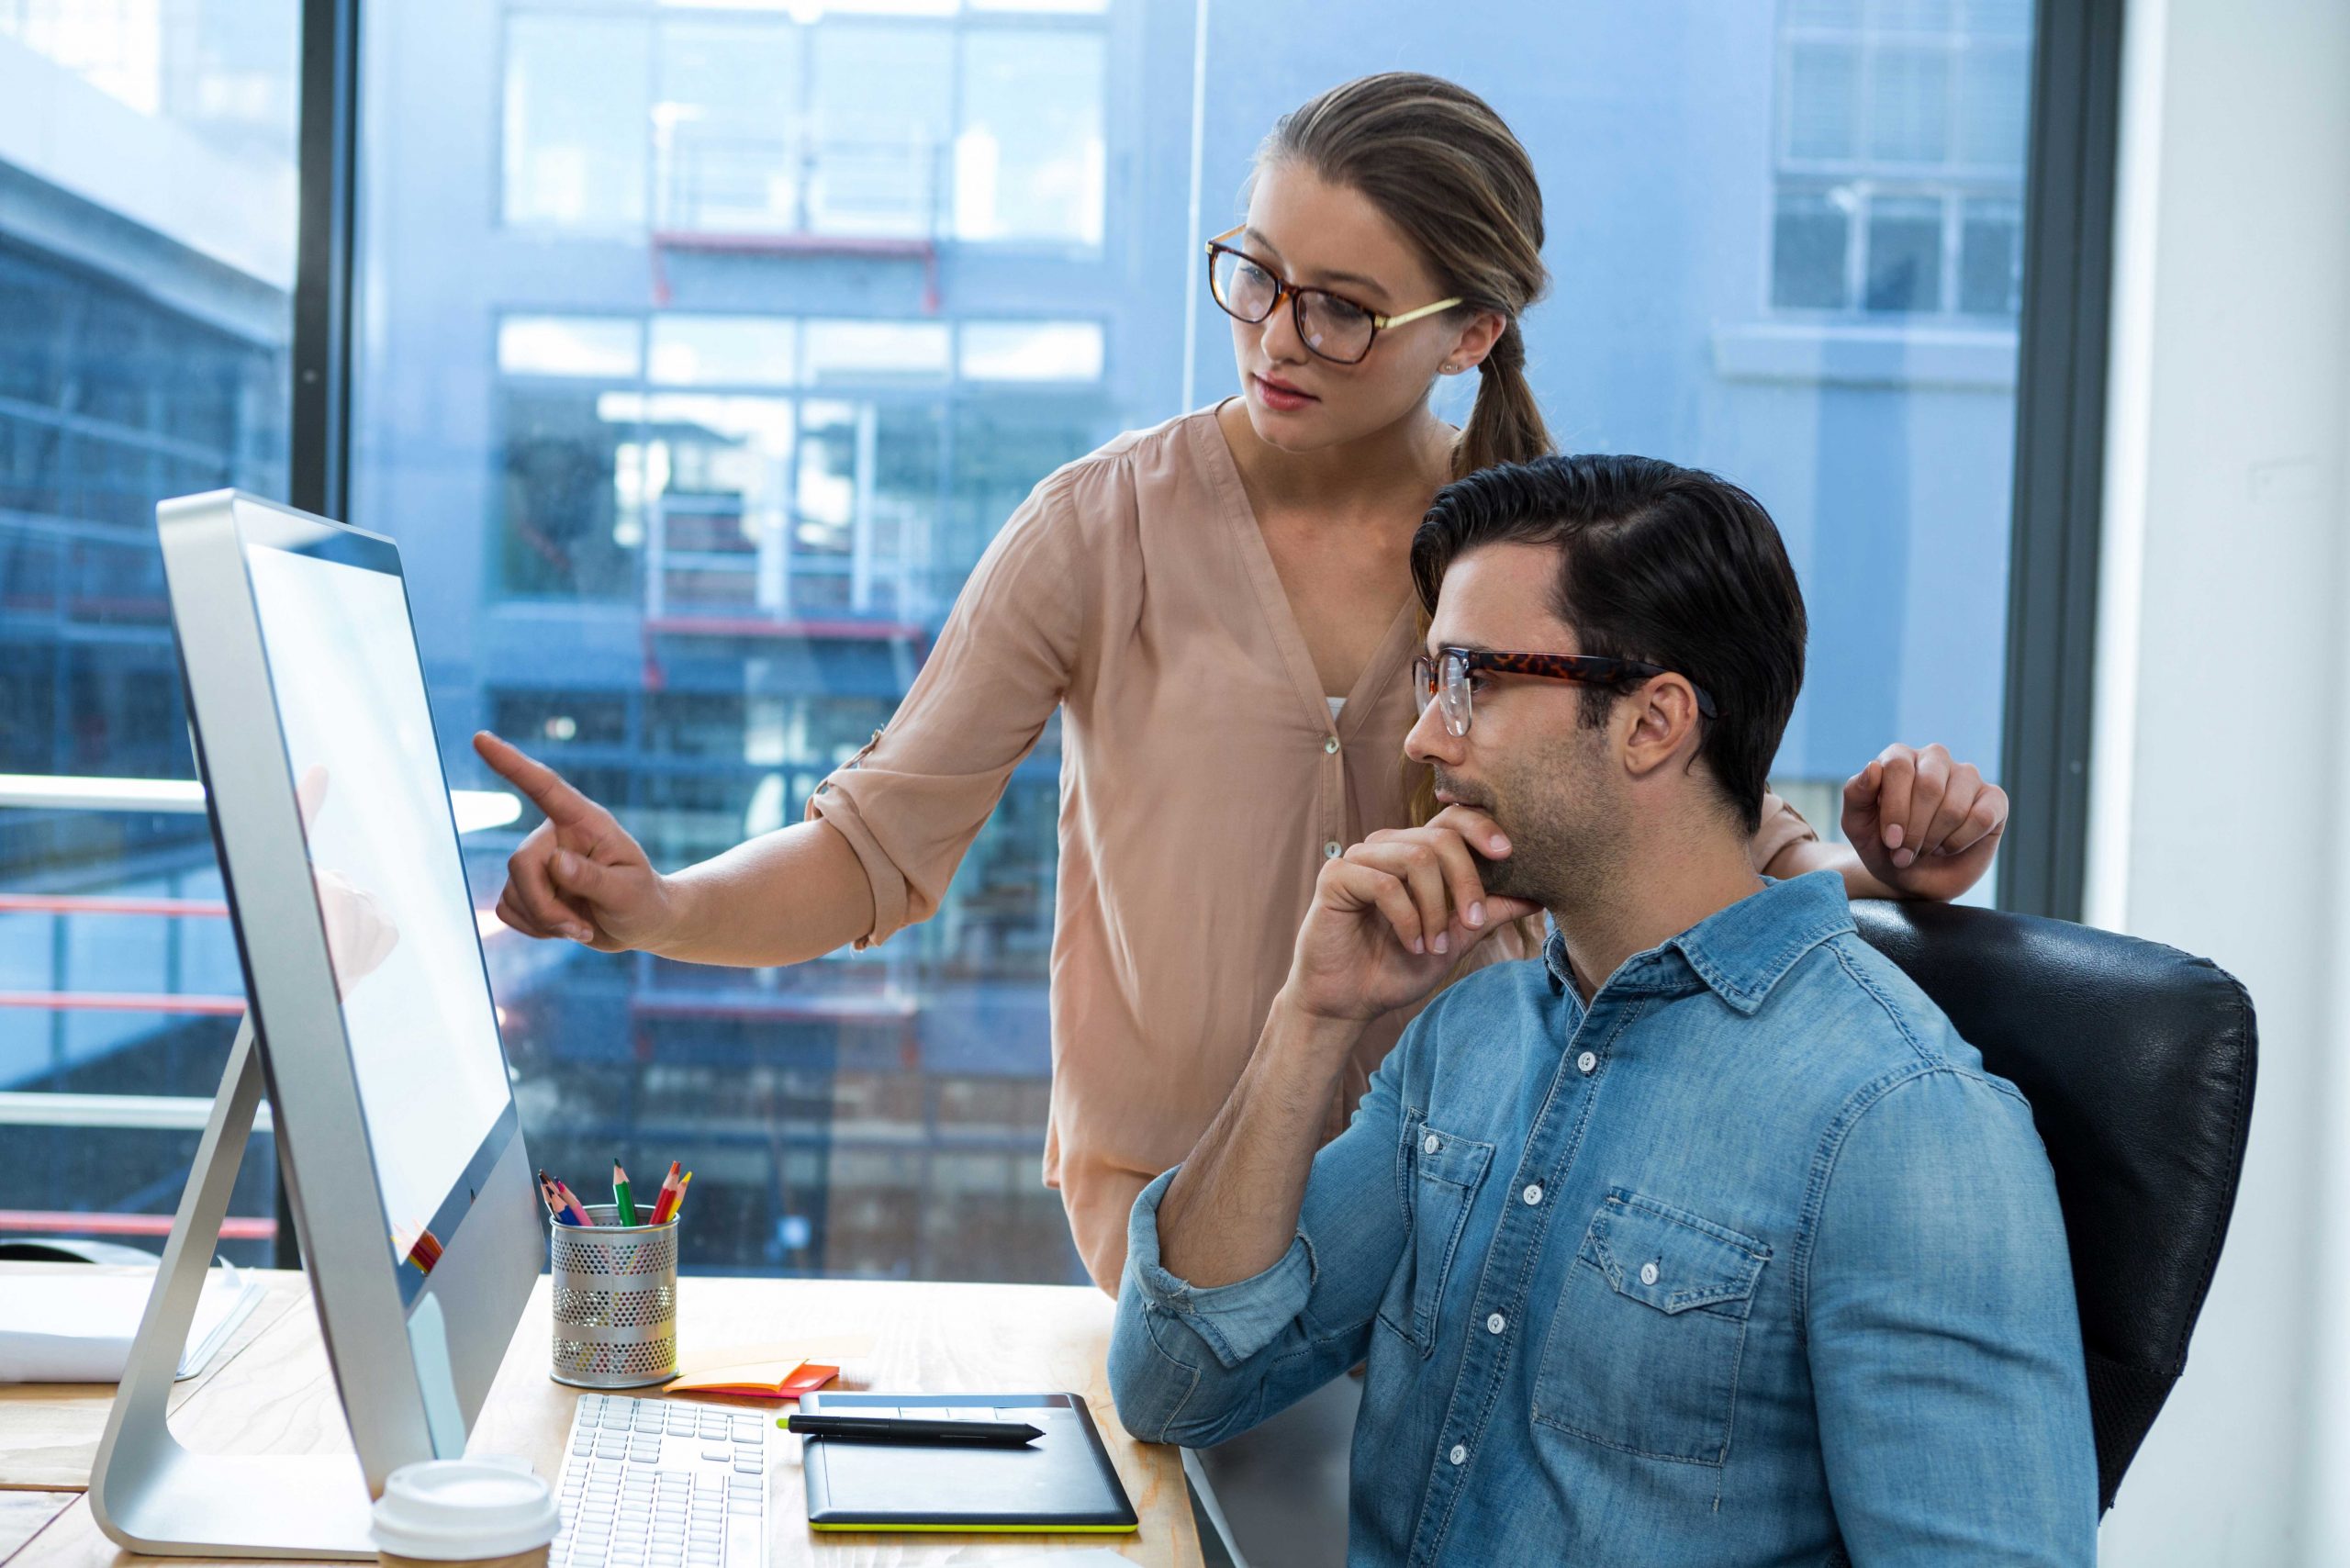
[1562, 850]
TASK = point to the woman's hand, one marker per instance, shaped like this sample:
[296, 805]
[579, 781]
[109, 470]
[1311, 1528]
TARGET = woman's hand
[579, 874]
[1923, 825]
[1393, 915]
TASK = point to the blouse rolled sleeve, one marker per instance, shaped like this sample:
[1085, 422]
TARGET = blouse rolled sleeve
[1782, 826]
[910, 802]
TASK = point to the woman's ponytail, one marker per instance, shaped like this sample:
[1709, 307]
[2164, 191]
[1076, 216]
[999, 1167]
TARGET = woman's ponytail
[1505, 425]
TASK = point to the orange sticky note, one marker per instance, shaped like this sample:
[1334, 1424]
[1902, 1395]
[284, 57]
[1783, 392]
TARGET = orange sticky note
[758, 1379]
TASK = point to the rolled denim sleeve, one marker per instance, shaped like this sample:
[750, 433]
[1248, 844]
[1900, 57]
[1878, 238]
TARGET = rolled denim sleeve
[1944, 1343]
[1195, 1364]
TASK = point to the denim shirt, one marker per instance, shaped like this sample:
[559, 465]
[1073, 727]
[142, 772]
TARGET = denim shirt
[1749, 1262]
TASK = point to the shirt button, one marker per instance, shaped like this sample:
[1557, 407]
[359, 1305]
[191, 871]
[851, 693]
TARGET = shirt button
[1496, 1323]
[1587, 1061]
[1460, 1454]
[1330, 851]
[1430, 1144]
[1533, 1193]
[1648, 1274]
[1331, 745]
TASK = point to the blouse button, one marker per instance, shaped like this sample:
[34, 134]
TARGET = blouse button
[1460, 1454]
[1648, 1274]
[1533, 1193]
[1496, 1323]
[1587, 1061]
[1331, 745]
[1330, 850]
[1430, 1144]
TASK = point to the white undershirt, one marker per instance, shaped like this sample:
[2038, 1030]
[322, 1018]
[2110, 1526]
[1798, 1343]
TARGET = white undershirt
[1336, 704]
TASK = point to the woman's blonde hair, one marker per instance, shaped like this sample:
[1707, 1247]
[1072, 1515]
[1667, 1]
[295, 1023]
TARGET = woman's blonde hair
[1439, 164]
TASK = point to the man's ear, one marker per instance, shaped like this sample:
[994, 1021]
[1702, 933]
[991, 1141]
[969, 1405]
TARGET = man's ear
[1657, 721]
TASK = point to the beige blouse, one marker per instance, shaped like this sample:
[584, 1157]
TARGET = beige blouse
[1204, 779]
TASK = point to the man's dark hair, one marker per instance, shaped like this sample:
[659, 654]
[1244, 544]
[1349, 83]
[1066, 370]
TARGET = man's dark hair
[1656, 562]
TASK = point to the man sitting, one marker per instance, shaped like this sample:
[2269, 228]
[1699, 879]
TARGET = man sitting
[1704, 1240]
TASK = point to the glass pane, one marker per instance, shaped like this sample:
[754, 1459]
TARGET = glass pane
[880, 308]
[1903, 267]
[143, 354]
[1994, 104]
[1029, 158]
[1031, 351]
[601, 346]
[880, 160]
[1809, 238]
[718, 474]
[876, 350]
[1823, 100]
[1909, 104]
[567, 529]
[1990, 260]
[725, 127]
[715, 351]
[574, 118]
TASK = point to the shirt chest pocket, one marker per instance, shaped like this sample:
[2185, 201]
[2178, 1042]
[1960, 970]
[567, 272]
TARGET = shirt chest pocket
[1440, 1174]
[1643, 1350]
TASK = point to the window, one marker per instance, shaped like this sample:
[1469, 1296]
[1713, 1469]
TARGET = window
[739, 124]
[727, 127]
[694, 422]
[1028, 157]
[1900, 158]
[142, 355]
[878, 159]
[575, 121]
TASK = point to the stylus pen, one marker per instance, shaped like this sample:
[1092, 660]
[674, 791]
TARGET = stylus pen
[910, 1429]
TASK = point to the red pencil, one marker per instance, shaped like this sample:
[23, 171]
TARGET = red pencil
[666, 1198]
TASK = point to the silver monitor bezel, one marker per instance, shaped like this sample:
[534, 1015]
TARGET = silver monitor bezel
[493, 1252]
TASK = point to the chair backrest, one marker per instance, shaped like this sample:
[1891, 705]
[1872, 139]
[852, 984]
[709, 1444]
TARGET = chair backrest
[2138, 1062]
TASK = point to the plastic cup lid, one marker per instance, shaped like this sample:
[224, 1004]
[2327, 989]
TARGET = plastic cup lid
[455, 1510]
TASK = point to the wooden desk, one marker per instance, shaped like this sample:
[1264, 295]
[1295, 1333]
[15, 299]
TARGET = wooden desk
[276, 1395]
[50, 1431]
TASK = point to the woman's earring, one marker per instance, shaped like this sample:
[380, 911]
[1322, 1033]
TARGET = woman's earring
[1449, 367]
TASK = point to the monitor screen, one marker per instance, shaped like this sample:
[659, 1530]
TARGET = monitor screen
[390, 880]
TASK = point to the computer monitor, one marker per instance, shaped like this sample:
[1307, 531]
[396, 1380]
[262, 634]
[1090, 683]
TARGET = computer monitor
[402, 1154]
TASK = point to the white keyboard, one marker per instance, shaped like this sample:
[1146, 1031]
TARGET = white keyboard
[660, 1483]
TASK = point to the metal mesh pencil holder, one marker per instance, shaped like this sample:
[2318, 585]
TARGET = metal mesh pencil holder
[615, 1301]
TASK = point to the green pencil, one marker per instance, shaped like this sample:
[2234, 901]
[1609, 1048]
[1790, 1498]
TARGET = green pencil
[623, 1199]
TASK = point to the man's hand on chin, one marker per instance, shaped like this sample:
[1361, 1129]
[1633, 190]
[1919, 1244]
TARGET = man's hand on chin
[1391, 917]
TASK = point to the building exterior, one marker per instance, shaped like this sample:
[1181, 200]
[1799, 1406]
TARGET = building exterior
[704, 348]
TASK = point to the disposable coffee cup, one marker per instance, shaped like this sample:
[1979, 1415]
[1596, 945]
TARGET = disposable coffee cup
[476, 1511]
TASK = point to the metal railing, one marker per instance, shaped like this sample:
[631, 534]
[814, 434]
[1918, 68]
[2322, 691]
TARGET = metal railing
[474, 811]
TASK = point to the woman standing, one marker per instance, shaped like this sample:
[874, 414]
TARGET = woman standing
[1221, 609]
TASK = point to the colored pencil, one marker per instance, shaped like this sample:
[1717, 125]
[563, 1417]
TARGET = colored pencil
[667, 1197]
[623, 1197]
[579, 1214]
[681, 1202]
[553, 1201]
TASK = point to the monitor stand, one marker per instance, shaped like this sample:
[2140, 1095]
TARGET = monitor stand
[151, 1494]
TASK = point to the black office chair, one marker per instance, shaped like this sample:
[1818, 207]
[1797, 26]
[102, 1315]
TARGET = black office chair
[2138, 1062]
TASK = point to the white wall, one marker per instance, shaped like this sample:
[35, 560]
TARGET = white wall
[2221, 696]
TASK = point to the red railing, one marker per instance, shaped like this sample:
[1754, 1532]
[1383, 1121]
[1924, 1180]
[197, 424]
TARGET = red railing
[58, 1221]
[69, 1223]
